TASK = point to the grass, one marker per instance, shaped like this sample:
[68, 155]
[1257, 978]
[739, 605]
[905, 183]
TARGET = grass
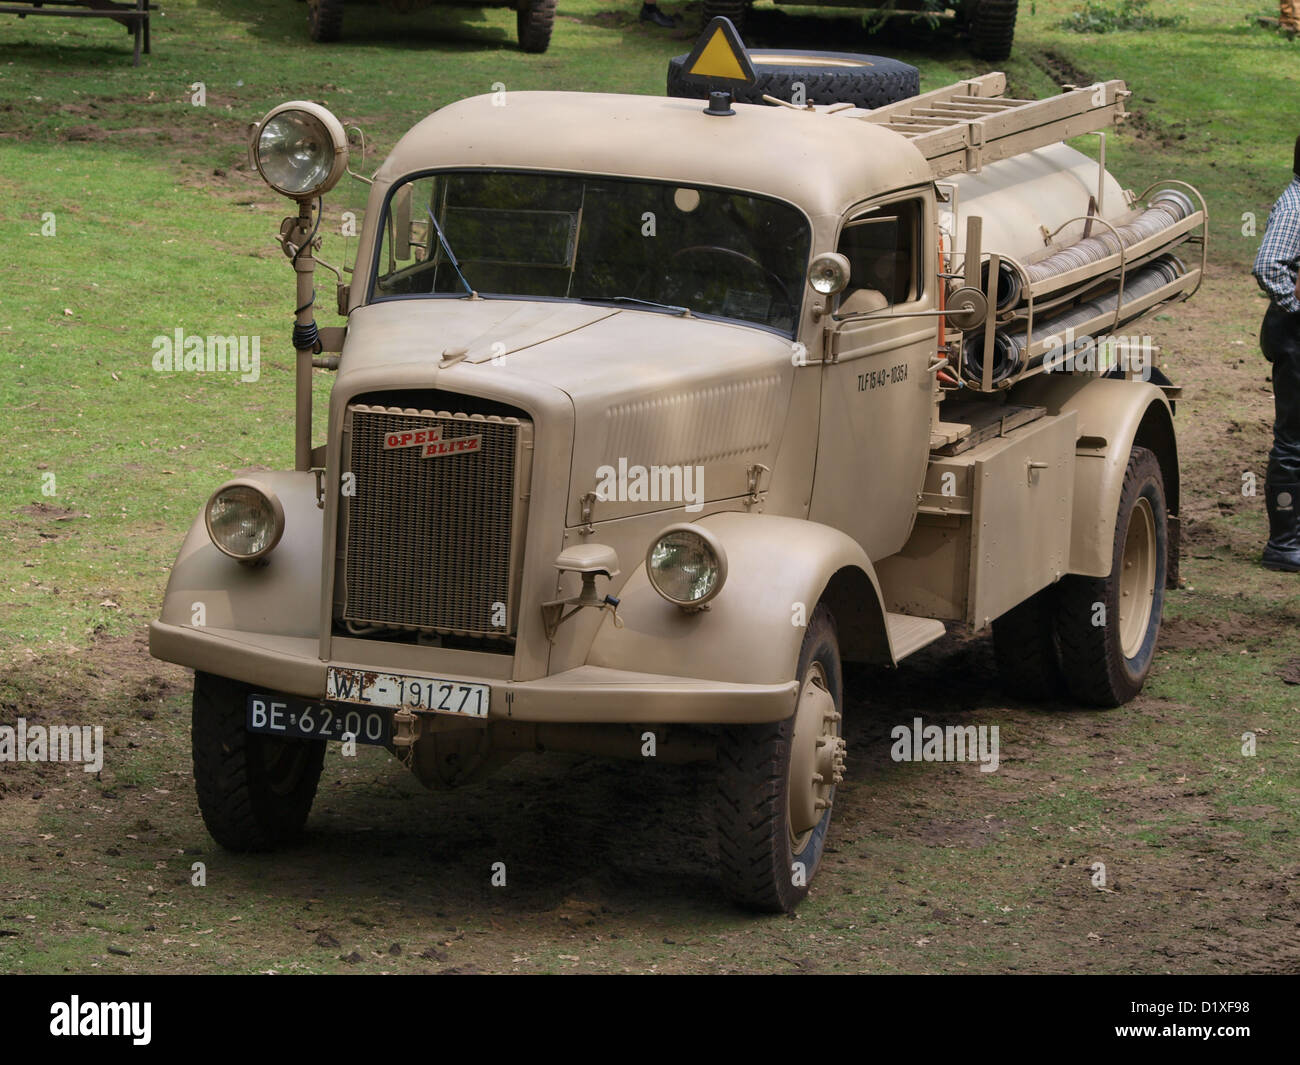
[159, 226]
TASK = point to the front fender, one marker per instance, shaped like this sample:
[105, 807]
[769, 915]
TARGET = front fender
[1113, 416]
[281, 598]
[778, 569]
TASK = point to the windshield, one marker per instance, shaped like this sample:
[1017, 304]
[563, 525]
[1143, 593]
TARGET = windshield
[652, 244]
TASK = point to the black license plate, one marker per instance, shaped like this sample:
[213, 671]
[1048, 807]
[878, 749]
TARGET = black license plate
[282, 715]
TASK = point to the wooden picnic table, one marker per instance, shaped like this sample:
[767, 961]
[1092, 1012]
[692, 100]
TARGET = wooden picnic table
[133, 14]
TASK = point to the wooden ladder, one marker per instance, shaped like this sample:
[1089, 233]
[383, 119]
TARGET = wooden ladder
[964, 127]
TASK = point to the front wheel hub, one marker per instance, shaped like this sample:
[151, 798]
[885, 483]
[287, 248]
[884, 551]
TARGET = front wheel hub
[816, 756]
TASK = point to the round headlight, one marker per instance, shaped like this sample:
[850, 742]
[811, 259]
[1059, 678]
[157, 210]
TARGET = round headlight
[686, 565]
[829, 273]
[300, 149]
[244, 520]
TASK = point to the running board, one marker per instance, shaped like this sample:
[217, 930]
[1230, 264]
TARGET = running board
[908, 634]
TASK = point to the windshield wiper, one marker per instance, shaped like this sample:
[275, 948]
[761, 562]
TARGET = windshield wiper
[685, 312]
[442, 239]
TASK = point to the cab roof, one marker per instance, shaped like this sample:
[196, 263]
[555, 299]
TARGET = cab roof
[820, 162]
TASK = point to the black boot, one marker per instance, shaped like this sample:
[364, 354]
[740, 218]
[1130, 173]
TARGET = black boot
[1282, 496]
[651, 13]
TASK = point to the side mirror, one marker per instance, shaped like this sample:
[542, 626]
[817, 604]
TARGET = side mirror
[966, 309]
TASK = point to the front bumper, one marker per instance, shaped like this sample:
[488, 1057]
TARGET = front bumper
[587, 694]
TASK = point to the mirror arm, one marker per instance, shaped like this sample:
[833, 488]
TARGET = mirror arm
[953, 310]
[884, 313]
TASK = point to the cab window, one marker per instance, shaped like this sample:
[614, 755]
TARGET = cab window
[639, 244]
[883, 247]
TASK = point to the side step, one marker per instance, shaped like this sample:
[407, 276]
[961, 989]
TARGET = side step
[908, 634]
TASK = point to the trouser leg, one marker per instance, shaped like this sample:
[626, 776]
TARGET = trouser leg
[1281, 339]
[1281, 342]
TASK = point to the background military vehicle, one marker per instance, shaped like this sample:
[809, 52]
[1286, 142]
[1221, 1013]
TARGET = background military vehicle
[989, 26]
[534, 19]
[648, 416]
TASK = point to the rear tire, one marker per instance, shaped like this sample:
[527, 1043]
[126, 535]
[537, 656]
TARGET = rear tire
[1108, 626]
[534, 22]
[770, 835]
[325, 17]
[827, 77]
[993, 28]
[254, 791]
[1025, 646]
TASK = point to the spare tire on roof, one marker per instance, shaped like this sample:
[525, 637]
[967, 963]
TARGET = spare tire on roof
[827, 78]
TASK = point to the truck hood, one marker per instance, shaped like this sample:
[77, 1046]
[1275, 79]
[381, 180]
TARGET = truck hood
[650, 391]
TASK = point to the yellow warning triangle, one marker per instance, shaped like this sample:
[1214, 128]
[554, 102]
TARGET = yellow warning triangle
[719, 55]
[717, 60]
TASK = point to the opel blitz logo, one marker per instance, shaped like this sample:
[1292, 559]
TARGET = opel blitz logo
[431, 443]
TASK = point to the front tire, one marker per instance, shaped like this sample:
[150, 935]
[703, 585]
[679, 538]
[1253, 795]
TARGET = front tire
[777, 784]
[1108, 626]
[255, 791]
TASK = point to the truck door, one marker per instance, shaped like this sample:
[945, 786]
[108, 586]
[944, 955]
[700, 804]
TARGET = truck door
[874, 436]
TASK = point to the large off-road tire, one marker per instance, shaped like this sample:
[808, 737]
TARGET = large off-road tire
[827, 78]
[736, 10]
[534, 21]
[1108, 626]
[992, 27]
[773, 813]
[254, 791]
[326, 19]
[1026, 649]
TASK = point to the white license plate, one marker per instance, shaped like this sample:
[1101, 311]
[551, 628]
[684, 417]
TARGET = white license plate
[403, 691]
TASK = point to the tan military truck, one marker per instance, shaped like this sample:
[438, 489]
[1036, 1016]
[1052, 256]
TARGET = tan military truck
[648, 416]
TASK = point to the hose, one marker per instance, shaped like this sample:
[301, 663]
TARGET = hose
[1168, 207]
[1009, 346]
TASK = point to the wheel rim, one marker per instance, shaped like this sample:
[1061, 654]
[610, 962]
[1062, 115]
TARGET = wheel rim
[1137, 579]
[284, 764]
[816, 758]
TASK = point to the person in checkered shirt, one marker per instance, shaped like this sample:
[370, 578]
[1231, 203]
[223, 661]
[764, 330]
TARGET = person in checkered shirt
[1279, 337]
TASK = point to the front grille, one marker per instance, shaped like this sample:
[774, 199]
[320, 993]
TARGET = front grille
[431, 534]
